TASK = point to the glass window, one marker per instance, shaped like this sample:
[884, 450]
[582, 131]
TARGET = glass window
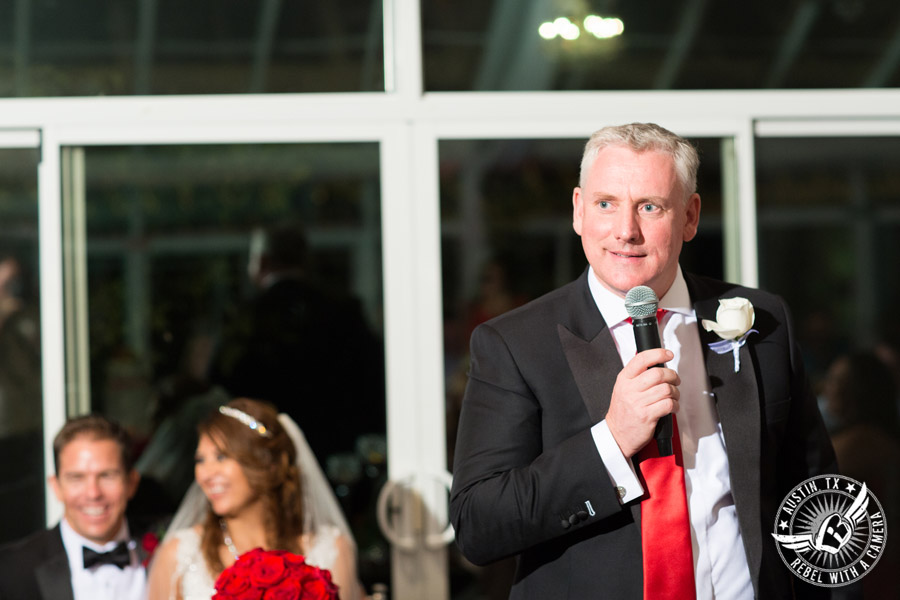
[565, 45]
[829, 225]
[507, 238]
[828, 215]
[21, 414]
[105, 47]
[186, 311]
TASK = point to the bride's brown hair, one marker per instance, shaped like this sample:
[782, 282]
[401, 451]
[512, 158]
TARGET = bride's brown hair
[269, 464]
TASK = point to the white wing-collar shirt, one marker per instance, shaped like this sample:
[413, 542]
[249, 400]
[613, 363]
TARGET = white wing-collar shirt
[103, 582]
[720, 562]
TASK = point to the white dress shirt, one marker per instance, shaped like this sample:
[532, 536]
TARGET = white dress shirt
[103, 582]
[720, 563]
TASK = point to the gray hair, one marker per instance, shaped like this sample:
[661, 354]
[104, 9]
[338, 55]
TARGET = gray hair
[642, 137]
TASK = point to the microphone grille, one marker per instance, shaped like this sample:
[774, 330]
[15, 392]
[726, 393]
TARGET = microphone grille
[640, 302]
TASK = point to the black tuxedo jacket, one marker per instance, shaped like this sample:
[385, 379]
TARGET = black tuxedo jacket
[291, 346]
[36, 568]
[528, 480]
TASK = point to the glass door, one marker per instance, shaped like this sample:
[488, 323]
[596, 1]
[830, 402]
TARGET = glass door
[165, 305]
[830, 201]
[21, 409]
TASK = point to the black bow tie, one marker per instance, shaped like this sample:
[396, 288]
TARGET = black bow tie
[118, 556]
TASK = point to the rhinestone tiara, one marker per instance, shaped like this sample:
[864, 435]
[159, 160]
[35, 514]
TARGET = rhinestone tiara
[246, 420]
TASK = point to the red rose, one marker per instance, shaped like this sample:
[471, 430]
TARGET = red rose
[286, 589]
[268, 570]
[248, 559]
[248, 594]
[149, 544]
[313, 589]
[294, 560]
[232, 581]
[317, 585]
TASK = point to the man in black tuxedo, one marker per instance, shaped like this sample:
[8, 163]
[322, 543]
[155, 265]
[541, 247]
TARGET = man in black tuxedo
[547, 464]
[305, 349]
[89, 555]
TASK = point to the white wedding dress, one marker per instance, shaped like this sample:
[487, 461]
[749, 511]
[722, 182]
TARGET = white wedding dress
[195, 581]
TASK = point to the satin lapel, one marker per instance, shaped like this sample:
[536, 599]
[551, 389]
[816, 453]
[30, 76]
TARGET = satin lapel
[54, 578]
[593, 360]
[589, 348]
[737, 402]
[594, 365]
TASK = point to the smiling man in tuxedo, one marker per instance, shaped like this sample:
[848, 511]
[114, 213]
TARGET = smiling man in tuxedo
[555, 455]
[89, 555]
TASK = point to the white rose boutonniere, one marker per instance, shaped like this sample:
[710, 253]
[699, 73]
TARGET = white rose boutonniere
[733, 323]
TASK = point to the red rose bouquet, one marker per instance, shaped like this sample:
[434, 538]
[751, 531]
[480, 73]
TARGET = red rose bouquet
[274, 575]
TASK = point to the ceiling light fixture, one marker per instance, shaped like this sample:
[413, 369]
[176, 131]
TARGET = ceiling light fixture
[599, 27]
[603, 28]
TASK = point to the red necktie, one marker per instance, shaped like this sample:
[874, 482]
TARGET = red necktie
[660, 313]
[665, 528]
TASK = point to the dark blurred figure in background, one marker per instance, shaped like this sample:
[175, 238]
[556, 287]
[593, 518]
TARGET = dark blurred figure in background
[21, 438]
[182, 399]
[495, 295]
[308, 351]
[861, 398]
[889, 353]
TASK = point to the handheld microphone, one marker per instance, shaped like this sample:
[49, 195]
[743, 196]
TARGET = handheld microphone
[641, 304]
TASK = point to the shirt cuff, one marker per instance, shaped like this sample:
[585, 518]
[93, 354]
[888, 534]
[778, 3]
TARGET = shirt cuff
[620, 470]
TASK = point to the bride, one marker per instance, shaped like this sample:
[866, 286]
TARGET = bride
[257, 484]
